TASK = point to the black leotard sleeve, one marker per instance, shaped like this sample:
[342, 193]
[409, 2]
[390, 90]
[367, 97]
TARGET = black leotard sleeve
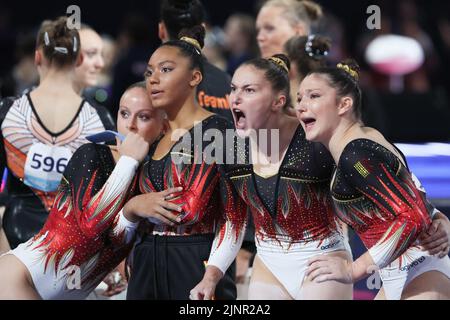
[402, 211]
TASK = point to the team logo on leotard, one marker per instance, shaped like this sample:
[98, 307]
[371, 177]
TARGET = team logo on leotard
[361, 169]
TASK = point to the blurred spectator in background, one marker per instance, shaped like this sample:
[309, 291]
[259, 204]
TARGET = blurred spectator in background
[280, 20]
[134, 48]
[109, 59]
[87, 74]
[240, 40]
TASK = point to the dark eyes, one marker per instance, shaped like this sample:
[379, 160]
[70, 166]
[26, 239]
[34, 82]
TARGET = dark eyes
[148, 73]
[248, 90]
[144, 117]
[312, 96]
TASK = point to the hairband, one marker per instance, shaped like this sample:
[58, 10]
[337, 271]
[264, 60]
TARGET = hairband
[349, 70]
[192, 42]
[280, 63]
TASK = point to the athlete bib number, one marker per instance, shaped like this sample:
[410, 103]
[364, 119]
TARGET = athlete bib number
[45, 165]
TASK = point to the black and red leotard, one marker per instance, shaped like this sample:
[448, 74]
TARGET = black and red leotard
[170, 261]
[85, 236]
[377, 196]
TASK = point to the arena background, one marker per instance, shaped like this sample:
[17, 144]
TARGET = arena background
[416, 117]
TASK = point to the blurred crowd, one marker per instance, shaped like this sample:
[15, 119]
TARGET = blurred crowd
[233, 38]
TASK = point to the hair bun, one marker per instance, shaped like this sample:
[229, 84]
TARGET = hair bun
[195, 36]
[312, 9]
[317, 47]
[60, 44]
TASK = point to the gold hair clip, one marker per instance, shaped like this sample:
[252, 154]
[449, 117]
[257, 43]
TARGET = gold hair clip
[280, 62]
[349, 70]
[193, 42]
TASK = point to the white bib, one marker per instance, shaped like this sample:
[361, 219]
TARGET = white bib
[45, 165]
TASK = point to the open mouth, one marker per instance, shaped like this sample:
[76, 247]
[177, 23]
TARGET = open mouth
[239, 118]
[308, 122]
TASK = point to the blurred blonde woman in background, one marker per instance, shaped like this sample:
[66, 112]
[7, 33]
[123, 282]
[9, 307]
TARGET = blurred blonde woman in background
[280, 20]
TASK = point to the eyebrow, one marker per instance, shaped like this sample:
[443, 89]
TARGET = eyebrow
[308, 90]
[161, 63]
[138, 111]
[246, 85]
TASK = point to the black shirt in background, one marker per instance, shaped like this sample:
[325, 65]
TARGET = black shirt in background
[213, 91]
